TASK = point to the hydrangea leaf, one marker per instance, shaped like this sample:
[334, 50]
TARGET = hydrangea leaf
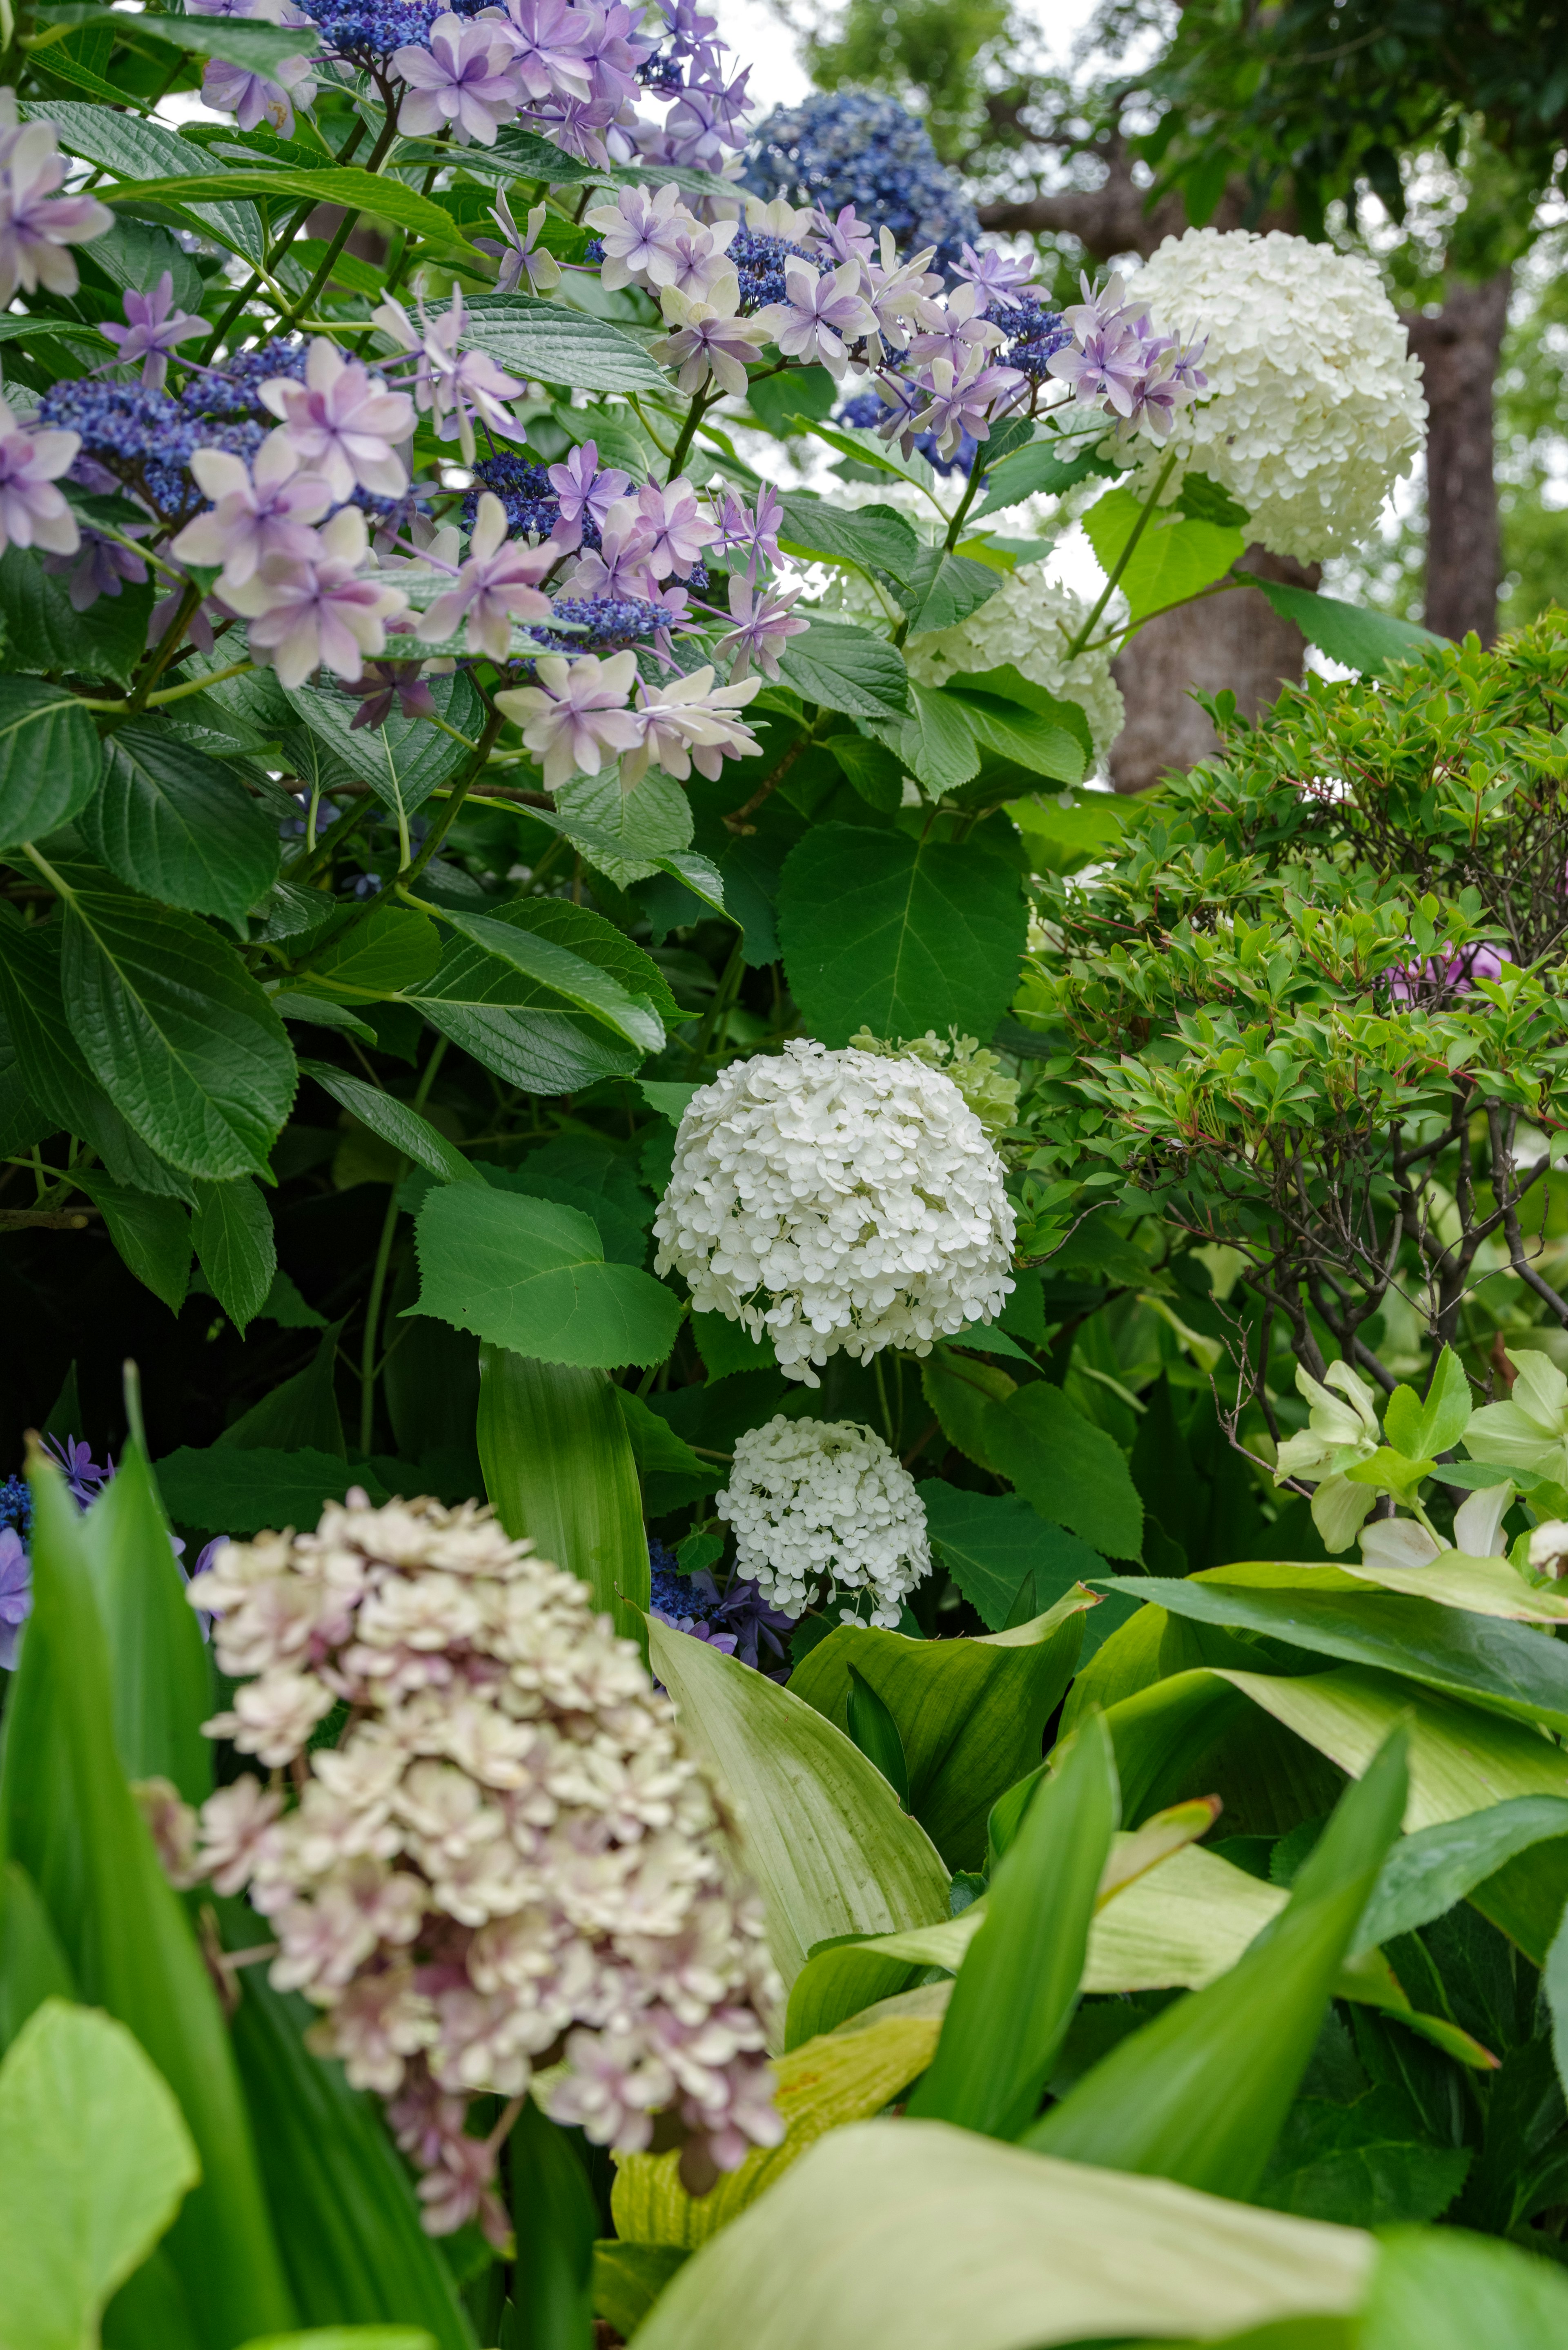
[95, 2161]
[530, 1277]
[515, 1026]
[232, 1229]
[49, 759]
[404, 759]
[897, 935]
[152, 1236]
[1054, 466]
[557, 345]
[841, 667]
[1363, 640]
[1066, 1467]
[946, 588]
[395, 1122]
[872, 538]
[1002, 1555]
[133, 150]
[44, 632]
[180, 826]
[569, 977]
[1175, 556]
[394, 950]
[1360, 2164]
[239, 1489]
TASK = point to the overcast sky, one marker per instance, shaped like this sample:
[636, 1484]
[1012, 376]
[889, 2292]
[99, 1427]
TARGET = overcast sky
[758, 38]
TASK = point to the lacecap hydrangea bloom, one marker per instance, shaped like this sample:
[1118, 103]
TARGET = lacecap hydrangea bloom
[1029, 623]
[834, 1200]
[1313, 408]
[821, 1507]
[507, 1859]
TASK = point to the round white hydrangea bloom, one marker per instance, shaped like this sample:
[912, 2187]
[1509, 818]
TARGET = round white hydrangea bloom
[834, 1200]
[507, 1855]
[1029, 622]
[1314, 408]
[821, 1507]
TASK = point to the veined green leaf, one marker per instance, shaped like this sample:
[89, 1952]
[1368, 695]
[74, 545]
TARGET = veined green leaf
[515, 1026]
[824, 1837]
[404, 1127]
[558, 345]
[946, 588]
[1367, 641]
[232, 1229]
[42, 631]
[1174, 558]
[151, 1235]
[49, 759]
[68, 1819]
[1018, 1985]
[405, 758]
[560, 1468]
[932, 2237]
[878, 539]
[393, 951]
[1068, 1469]
[568, 976]
[133, 148]
[841, 667]
[372, 192]
[95, 2160]
[971, 1714]
[180, 826]
[530, 1276]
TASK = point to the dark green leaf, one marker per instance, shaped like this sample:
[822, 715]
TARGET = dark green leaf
[180, 826]
[1368, 641]
[898, 935]
[1200, 2094]
[49, 759]
[597, 940]
[33, 1967]
[558, 345]
[936, 742]
[803, 393]
[395, 1122]
[153, 1235]
[514, 1025]
[300, 1414]
[1052, 465]
[946, 588]
[1022, 736]
[1061, 1463]
[844, 668]
[878, 539]
[231, 1488]
[625, 834]
[993, 1544]
[132, 149]
[871, 1724]
[530, 1276]
[260, 48]
[404, 759]
[175, 1028]
[42, 631]
[1007, 683]
[69, 1819]
[1500, 1666]
[160, 1674]
[393, 951]
[1360, 2165]
[375, 193]
[1428, 1872]
[558, 1466]
[556, 2220]
[876, 773]
[232, 1229]
[568, 977]
[1018, 1985]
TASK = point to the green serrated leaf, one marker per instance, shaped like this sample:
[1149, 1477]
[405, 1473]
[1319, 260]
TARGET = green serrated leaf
[404, 759]
[180, 826]
[392, 950]
[1368, 641]
[878, 539]
[395, 1122]
[530, 1277]
[42, 631]
[1175, 556]
[557, 345]
[840, 667]
[946, 588]
[153, 1236]
[232, 1229]
[1066, 1468]
[49, 759]
[569, 977]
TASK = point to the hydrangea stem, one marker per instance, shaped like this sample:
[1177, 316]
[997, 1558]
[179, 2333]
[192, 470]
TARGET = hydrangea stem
[368, 1366]
[1077, 644]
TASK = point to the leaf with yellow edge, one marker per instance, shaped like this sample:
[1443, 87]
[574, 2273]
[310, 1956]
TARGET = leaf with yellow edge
[823, 1836]
[1481, 1586]
[844, 2076]
[911, 2235]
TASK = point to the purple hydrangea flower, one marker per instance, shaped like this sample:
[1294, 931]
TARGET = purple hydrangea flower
[16, 1594]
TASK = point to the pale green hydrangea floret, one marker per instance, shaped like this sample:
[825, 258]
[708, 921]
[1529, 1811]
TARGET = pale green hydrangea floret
[1313, 408]
[976, 1072]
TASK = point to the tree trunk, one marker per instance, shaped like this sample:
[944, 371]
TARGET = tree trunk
[1238, 640]
[1459, 350]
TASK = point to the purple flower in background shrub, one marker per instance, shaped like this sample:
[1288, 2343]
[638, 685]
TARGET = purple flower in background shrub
[99, 567]
[83, 1475]
[155, 329]
[737, 1621]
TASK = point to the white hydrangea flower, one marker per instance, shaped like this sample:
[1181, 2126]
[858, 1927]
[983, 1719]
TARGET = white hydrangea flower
[837, 1201]
[1314, 406]
[821, 1507]
[508, 1847]
[1029, 622]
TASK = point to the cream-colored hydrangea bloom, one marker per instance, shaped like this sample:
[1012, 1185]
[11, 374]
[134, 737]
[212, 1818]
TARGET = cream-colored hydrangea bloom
[1313, 408]
[1029, 623]
[821, 1508]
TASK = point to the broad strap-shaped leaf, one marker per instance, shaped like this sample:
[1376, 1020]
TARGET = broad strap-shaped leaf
[178, 827]
[530, 1277]
[1018, 1986]
[233, 1232]
[898, 935]
[970, 1713]
[559, 1467]
[95, 2160]
[160, 1669]
[175, 1030]
[69, 1817]
[395, 1121]
[1200, 2094]
[49, 759]
[823, 1834]
[1441, 2289]
[933, 2238]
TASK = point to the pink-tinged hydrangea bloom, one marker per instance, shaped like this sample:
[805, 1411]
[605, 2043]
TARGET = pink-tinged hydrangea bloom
[314, 611]
[639, 233]
[253, 98]
[997, 278]
[341, 424]
[687, 723]
[155, 329]
[586, 491]
[903, 295]
[612, 54]
[847, 238]
[454, 384]
[548, 38]
[36, 225]
[962, 400]
[255, 511]
[764, 624]
[99, 567]
[677, 527]
[520, 254]
[702, 265]
[496, 585]
[755, 528]
[820, 316]
[507, 1849]
[621, 567]
[963, 328]
[576, 714]
[709, 339]
[465, 81]
[33, 513]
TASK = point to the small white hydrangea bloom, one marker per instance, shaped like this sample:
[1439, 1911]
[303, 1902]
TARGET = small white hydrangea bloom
[508, 1853]
[1029, 623]
[821, 1507]
[837, 1201]
[1314, 406]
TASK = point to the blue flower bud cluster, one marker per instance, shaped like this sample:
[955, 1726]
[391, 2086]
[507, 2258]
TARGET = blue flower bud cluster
[868, 410]
[760, 265]
[16, 1506]
[602, 623]
[368, 30]
[234, 389]
[846, 147]
[523, 489]
[1033, 333]
[140, 438]
[663, 74]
